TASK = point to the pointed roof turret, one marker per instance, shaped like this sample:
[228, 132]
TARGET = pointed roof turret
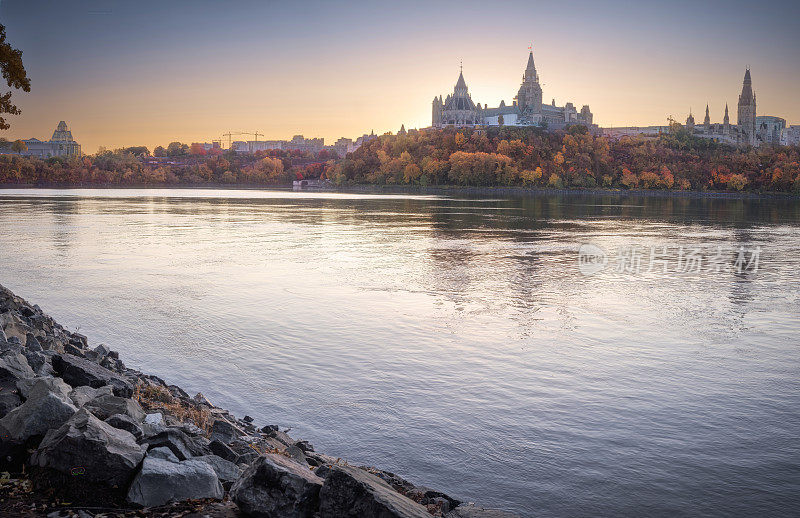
[461, 83]
[726, 119]
[530, 69]
[747, 90]
[707, 120]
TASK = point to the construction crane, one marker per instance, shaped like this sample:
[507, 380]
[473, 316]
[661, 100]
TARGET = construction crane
[230, 135]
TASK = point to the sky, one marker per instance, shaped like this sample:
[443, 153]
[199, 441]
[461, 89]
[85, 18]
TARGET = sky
[152, 72]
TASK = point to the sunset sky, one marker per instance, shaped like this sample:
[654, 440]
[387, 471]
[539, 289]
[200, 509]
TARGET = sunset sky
[147, 73]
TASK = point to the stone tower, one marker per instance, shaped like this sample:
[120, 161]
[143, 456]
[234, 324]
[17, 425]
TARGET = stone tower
[726, 121]
[707, 121]
[437, 112]
[690, 121]
[529, 96]
[747, 110]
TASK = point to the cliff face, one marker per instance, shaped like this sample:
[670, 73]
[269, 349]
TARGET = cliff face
[80, 432]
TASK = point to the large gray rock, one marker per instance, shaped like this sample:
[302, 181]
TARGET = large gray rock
[33, 388]
[224, 431]
[353, 492]
[80, 371]
[472, 511]
[277, 487]
[83, 394]
[36, 416]
[107, 405]
[13, 326]
[106, 455]
[226, 471]
[37, 360]
[183, 446]
[161, 481]
[127, 423]
[14, 365]
[223, 450]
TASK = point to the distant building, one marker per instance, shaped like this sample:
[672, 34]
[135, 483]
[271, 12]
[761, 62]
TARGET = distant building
[459, 111]
[298, 142]
[630, 131]
[749, 129]
[769, 129]
[61, 144]
[791, 136]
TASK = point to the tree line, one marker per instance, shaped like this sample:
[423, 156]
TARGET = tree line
[534, 157]
[506, 156]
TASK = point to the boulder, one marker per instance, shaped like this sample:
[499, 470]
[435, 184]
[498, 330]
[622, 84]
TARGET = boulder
[350, 491]
[297, 454]
[226, 471]
[107, 405]
[156, 418]
[472, 511]
[102, 454]
[275, 486]
[80, 371]
[9, 398]
[82, 395]
[161, 481]
[13, 326]
[223, 450]
[183, 446]
[33, 388]
[163, 453]
[36, 416]
[127, 423]
[224, 431]
[304, 446]
[101, 350]
[14, 365]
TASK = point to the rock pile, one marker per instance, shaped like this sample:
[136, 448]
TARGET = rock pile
[90, 431]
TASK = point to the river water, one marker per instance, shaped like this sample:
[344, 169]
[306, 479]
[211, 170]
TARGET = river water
[458, 341]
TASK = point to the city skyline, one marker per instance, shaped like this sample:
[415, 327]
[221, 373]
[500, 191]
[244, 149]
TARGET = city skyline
[123, 75]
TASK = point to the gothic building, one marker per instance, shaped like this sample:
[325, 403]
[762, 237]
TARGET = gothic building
[458, 110]
[748, 130]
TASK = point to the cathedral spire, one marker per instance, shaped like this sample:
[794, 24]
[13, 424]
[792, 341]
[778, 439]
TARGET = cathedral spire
[707, 120]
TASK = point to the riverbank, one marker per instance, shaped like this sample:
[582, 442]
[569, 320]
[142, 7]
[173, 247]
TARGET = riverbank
[82, 433]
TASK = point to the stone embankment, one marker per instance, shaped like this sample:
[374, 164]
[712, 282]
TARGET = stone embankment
[83, 435]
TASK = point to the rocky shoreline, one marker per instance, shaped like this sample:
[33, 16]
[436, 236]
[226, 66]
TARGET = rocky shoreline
[81, 434]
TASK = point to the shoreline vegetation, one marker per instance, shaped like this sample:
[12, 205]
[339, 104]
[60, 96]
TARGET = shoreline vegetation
[522, 159]
[82, 434]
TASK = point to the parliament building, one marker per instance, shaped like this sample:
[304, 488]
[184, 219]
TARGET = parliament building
[459, 111]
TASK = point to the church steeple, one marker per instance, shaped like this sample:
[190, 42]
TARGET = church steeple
[707, 120]
[726, 120]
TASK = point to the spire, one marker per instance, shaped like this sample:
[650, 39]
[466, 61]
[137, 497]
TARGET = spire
[726, 120]
[707, 120]
[461, 83]
[747, 90]
[530, 69]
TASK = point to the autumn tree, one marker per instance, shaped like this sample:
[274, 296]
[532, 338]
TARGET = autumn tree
[14, 74]
[19, 146]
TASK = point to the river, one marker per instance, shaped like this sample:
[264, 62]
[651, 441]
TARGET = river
[457, 340]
